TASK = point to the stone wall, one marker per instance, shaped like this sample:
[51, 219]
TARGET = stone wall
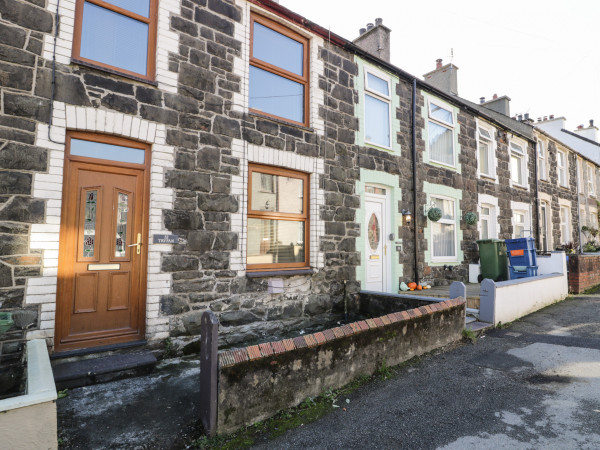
[203, 138]
[281, 374]
[551, 187]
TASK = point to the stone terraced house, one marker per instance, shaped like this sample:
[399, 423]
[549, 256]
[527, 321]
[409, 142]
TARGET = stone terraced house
[163, 157]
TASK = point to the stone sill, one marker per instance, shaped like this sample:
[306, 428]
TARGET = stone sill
[281, 121]
[279, 273]
[114, 72]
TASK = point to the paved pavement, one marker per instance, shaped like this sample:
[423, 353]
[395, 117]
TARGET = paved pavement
[535, 384]
[532, 385]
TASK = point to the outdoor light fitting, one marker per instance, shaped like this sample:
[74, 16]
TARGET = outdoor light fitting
[407, 216]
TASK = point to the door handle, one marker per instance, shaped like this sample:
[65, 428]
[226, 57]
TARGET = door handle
[138, 244]
[385, 249]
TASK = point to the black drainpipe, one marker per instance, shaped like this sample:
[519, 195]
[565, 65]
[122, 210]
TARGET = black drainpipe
[538, 235]
[414, 174]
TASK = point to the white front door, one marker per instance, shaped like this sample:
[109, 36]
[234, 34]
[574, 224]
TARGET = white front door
[377, 247]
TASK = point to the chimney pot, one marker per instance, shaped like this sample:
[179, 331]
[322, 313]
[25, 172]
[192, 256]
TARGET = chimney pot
[370, 26]
[591, 123]
[539, 119]
[551, 116]
[526, 116]
[495, 96]
[481, 99]
[579, 127]
[378, 21]
[520, 117]
[545, 118]
[438, 63]
[362, 31]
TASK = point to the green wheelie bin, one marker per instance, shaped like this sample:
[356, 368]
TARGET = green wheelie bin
[493, 260]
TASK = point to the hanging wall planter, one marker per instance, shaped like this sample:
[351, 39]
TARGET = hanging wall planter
[471, 218]
[434, 214]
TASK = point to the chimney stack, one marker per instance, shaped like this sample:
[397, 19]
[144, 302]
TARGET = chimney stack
[591, 132]
[444, 77]
[375, 39]
[500, 105]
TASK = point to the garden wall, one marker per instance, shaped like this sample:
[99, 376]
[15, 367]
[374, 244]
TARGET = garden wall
[584, 272]
[258, 381]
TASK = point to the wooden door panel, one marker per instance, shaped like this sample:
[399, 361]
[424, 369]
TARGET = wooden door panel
[119, 287]
[100, 293]
[86, 293]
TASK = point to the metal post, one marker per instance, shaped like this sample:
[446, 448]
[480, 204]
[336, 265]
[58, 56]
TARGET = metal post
[209, 371]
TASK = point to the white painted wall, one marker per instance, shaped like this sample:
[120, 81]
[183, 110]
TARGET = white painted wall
[556, 262]
[510, 300]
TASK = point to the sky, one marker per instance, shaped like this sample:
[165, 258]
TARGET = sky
[543, 54]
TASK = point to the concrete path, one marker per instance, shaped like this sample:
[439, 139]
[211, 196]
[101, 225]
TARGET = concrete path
[156, 411]
[535, 384]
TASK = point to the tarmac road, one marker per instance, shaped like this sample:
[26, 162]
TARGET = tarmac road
[535, 384]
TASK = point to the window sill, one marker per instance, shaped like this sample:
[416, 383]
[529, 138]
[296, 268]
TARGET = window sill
[79, 62]
[519, 186]
[379, 147]
[441, 165]
[279, 273]
[487, 177]
[281, 121]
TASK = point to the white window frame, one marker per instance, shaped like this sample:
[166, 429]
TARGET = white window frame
[525, 209]
[591, 180]
[580, 175]
[565, 226]
[564, 168]
[593, 218]
[491, 151]
[379, 96]
[490, 218]
[489, 201]
[546, 200]
[450, 126]
[522, 155]
[448, 222]
[542, 160]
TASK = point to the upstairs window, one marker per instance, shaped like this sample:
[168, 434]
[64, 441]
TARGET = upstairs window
[517, 164]
[377, 109]
[278, 71]
[561, 167]
[443, 232]
[441, 134]
[542, 173]
[277, 219]
[486, 155]
[591, 180]
[118, 35]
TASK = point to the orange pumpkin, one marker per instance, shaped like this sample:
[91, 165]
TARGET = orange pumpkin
[412, 285]
[419, 287]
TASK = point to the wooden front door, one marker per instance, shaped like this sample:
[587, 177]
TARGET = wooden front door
[102, 252]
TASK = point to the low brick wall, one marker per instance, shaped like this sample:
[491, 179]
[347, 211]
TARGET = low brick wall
[584, 272]
[258, 381]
